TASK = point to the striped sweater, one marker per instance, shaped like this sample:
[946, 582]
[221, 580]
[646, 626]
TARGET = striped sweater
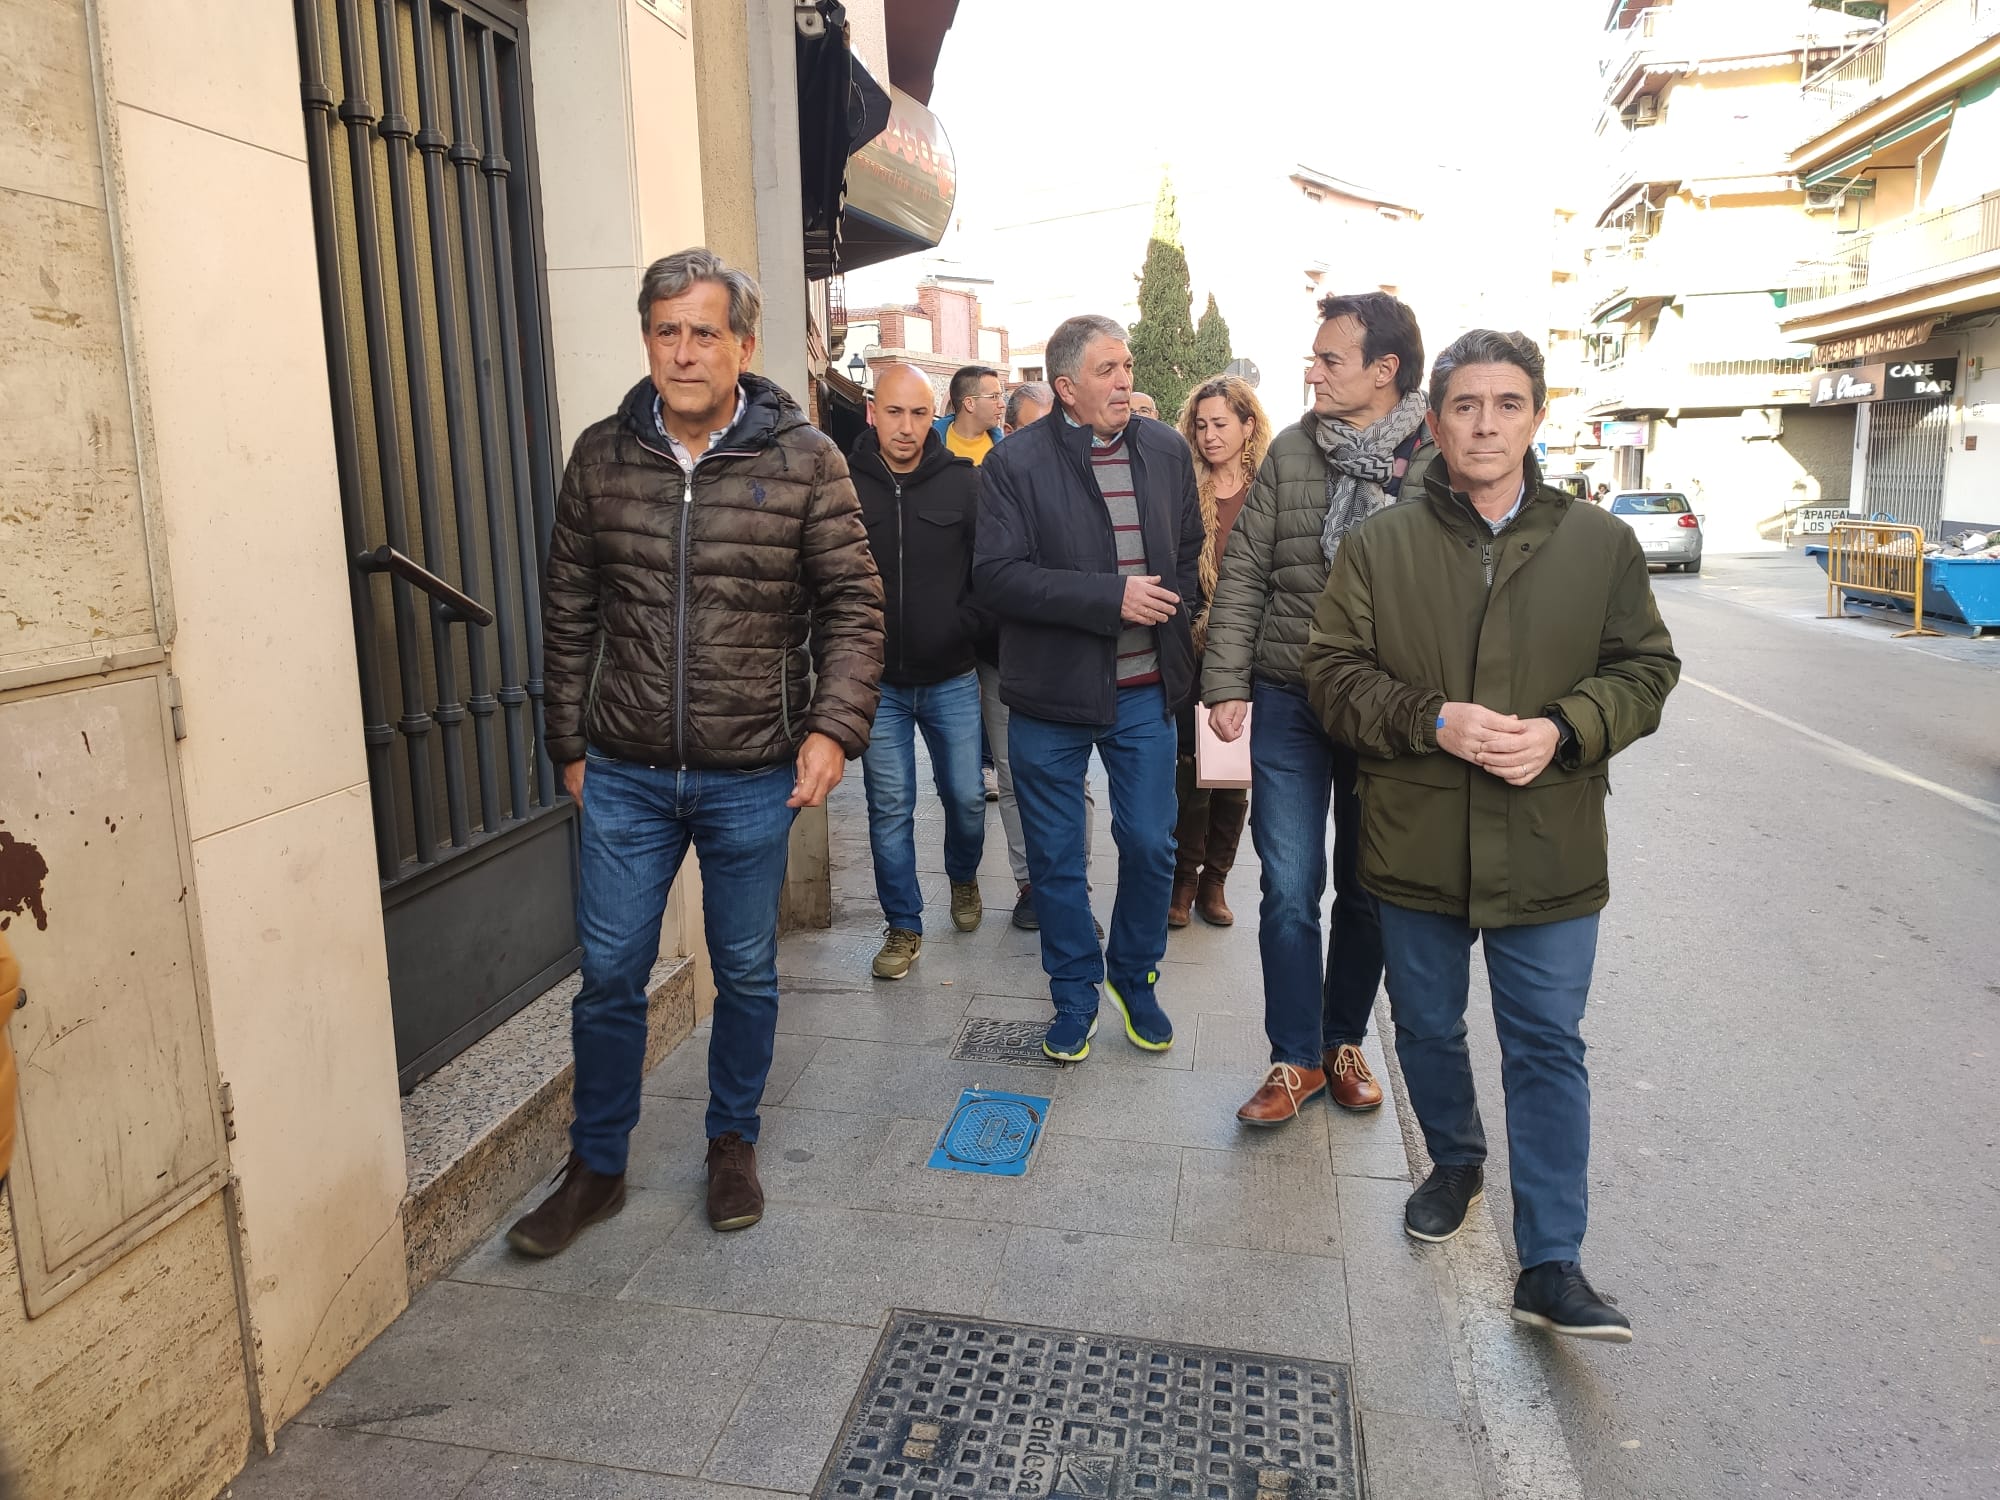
[1111, 466]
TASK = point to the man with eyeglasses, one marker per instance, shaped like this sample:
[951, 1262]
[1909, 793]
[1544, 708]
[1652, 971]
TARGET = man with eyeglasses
[970, 425]
[1342, 461]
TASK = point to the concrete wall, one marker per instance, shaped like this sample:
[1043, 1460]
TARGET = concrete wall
[172, 141]
[224, 293]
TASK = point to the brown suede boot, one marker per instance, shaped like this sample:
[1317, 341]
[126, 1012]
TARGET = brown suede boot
[1208, 901]
[735, 1198]
[1181, 902]
[581, 1199]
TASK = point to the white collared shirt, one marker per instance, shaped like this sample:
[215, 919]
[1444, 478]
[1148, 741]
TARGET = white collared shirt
[1519, 499]
[677, 448]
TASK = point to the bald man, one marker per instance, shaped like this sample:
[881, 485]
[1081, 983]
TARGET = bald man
[1144, 405]
[919, 502]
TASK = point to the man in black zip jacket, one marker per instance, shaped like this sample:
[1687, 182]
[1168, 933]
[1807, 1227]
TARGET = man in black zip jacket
[920, 502]
[1090, 538]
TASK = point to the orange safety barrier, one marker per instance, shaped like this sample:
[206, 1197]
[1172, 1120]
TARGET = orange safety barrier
[1877, 560]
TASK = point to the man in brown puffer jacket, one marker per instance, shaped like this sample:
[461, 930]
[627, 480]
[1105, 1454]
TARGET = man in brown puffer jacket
[713, 617]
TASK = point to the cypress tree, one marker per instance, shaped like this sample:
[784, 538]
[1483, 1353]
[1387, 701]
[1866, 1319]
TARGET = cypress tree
[1211, 343]
[1166, 358]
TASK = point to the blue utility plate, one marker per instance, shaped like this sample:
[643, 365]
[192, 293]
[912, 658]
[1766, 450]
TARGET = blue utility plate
[991, 1133]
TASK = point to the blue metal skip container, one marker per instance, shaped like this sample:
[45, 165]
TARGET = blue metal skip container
[1965, 589]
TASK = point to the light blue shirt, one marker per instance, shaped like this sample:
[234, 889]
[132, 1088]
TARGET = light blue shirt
[677, 448]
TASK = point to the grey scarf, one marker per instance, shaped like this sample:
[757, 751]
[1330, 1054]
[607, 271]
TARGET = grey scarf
[1359, 462]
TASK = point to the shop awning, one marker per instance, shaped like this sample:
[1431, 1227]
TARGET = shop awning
[1842, 166]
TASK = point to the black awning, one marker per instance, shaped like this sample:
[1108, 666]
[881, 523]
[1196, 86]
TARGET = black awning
[841, 107]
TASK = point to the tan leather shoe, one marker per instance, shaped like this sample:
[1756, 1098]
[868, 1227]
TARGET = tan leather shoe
[1354, 1087]
[1209, 902]
[581, 1199]
[1281, 1093]
[735, 1197]
[1181, 904]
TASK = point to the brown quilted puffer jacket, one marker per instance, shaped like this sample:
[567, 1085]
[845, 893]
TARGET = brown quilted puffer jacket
[677, 627]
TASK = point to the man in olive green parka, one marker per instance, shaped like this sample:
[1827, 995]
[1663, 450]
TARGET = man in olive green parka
[1486, 646]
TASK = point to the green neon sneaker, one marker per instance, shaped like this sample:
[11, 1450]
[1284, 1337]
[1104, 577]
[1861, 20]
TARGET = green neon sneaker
[1146, 1025]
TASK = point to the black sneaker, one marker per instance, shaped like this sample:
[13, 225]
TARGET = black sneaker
[1555, 1296]
[1024, 911]
[1436, 1211]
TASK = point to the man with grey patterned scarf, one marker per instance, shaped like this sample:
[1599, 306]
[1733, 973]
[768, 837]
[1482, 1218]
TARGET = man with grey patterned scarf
[1342, 461]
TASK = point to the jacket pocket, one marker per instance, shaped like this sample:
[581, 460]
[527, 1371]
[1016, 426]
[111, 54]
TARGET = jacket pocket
[1558, 844]
[785, 691]
[596, 672]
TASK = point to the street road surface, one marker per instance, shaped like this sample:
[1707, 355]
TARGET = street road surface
[1795, 1061]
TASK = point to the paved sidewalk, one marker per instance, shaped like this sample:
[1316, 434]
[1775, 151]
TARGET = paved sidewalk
[657, 1360]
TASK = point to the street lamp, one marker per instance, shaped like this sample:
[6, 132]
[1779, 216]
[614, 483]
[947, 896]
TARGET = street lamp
[857, 370]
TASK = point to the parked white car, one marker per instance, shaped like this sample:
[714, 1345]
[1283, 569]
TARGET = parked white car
[1666, 525]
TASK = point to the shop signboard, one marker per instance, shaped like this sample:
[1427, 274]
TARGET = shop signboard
[1900, 380]
[1818, 520]
[1623, 434]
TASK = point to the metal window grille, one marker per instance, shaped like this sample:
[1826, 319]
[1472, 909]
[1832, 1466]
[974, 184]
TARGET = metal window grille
[1907, 442]
[421, 163]
[417, 141]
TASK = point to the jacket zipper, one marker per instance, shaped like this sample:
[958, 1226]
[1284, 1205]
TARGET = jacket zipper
[1486, 557]
[902, 618]
[680, 589]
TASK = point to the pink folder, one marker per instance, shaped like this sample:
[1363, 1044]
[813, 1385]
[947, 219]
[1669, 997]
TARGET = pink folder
[1217, 764]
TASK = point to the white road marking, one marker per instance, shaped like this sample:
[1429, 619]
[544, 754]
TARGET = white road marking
[1858, 758]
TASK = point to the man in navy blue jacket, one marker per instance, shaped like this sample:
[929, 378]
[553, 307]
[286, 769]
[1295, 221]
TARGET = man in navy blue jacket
[1089, 538]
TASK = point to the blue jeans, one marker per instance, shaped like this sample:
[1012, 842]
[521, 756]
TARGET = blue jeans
[1048, 760]
[1296, 773]
[638, 822]
[948, 715]
[1540, 978]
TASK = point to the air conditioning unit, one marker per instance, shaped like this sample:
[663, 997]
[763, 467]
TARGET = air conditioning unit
[1824, 200]
[1646, 109]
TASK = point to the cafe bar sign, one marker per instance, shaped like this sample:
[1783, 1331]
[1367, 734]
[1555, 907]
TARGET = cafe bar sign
[1904, 380]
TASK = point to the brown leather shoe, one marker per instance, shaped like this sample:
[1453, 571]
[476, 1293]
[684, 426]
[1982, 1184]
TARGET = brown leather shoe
[582, 1198]
[1181, 903]
[1281, 1093]
[735, 1199]
[1354, 1087]
[1208, 901]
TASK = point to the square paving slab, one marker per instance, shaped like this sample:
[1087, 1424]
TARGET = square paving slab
[954, 1409]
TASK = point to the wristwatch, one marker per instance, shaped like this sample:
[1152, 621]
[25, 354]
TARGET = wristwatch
[1568, 749]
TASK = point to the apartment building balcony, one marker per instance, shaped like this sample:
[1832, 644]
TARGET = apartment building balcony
[1646, 383]
[1922, 58]
[1926, 265]
[1660, 43]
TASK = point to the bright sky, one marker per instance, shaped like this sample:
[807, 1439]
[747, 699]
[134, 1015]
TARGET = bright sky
[1473, 112]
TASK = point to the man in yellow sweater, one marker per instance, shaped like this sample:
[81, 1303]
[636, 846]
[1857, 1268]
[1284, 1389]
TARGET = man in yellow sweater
[971, 423]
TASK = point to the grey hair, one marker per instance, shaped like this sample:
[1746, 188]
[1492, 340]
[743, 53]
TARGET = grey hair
[1064, 354]
[1483, 346]
[671, 275]
[1036, 391]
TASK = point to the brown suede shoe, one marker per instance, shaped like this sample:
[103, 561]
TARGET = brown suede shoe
[1279, 1096]
[735, 1200]
[1181, 903]
[1208, 901]
[581, 1199]
[1354, 1087]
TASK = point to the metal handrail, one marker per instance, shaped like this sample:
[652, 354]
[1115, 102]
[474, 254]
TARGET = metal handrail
[1919, 242]
[456, 604]
[1924, 37]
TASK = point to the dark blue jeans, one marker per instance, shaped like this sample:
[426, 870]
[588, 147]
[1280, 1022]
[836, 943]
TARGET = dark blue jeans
[1297, 775]
[1540, 978]
[947, 714]
[1048, 760]
[638, 823]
